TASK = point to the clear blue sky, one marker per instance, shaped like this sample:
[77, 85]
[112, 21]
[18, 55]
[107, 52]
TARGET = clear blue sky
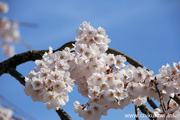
[147, 30]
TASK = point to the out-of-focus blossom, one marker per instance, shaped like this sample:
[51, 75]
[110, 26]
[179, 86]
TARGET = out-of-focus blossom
[9, 33]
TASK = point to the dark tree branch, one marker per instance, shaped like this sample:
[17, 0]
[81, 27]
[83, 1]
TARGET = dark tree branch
[63, 115]
[147, 112]
[137, 112]
[68, 44]
[31, 55]
[129, 59]
[151, 103]
[14, 73]
[19, 59]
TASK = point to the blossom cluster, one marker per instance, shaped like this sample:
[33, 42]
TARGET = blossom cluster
[9, 33]
[168, 81]
[103, 78]
[50, 80]
[5, 113]
[89, 51]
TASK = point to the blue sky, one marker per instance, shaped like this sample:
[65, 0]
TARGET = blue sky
[147, 30]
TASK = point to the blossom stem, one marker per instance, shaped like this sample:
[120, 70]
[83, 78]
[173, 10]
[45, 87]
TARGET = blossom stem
[160, 96]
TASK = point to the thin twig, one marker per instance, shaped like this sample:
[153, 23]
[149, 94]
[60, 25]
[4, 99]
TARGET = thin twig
[18, 110]
[160, 97]
[27, 24]
[25, 44]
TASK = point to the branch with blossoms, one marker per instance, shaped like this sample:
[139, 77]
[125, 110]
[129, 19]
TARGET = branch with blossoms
[9, 65]
[100, 74]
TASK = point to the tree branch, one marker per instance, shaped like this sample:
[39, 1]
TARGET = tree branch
[18, 59]
[63, 115]
[137, 112]
[31, 55]
[144, 109]
[14, 73]
[129, 59]
[151, 103]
